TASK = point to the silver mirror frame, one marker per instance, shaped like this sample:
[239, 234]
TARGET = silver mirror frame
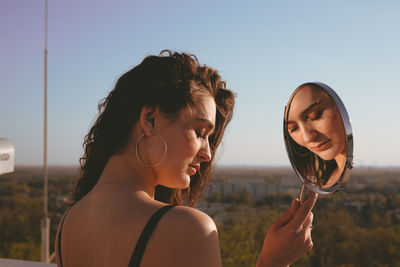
[349, 142]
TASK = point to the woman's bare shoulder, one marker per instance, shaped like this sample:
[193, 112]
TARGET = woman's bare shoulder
[192, 219]
[185, 224]
[185, 237]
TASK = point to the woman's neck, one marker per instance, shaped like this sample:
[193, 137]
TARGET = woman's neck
[341, 162]
[119, 170]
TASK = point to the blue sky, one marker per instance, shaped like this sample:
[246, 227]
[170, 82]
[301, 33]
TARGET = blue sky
[263, 49]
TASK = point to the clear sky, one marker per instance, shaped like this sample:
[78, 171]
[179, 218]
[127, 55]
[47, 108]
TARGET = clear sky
[263, 49]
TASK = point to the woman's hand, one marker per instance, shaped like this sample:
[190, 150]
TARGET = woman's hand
[289, 238]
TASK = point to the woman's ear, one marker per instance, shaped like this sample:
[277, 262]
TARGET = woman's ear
[147, 119]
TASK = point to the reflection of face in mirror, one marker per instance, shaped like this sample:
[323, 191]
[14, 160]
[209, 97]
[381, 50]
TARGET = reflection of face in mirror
[318, 137]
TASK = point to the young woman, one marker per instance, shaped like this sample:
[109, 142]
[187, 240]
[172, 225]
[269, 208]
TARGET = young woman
[316, 133]
[147, 158]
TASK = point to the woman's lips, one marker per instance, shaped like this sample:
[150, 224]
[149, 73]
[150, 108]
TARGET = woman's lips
[194, 168]
[322, 146]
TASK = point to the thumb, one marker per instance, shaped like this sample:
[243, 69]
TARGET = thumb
[287, 216]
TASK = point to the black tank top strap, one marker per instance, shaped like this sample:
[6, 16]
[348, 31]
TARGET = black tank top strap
[59, 236]
[145, 235]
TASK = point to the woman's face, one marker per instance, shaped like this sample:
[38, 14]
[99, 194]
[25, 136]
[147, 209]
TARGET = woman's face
[188, 146]
[314, 122]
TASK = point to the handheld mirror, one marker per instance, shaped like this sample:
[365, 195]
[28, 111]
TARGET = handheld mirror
[318, 138]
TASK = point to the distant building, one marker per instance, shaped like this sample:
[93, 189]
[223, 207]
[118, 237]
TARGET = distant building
[256, 188]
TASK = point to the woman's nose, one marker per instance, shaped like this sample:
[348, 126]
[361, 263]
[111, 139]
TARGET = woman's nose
[205, 151]
[309, 134]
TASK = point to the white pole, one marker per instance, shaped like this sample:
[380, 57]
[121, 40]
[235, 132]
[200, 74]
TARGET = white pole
[45, 220]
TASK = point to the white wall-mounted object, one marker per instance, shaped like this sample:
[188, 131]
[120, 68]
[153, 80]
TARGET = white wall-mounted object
[7, 156]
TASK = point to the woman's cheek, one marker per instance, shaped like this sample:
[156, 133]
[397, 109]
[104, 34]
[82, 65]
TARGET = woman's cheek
[192, 141]
[297, 139]
[337, 127]
[327, 125]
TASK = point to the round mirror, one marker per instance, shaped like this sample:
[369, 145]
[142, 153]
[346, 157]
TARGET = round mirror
[318, 138]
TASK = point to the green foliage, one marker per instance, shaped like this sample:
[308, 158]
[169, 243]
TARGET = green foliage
[351, 228]
[21, 210]
[242, 234]
[24, 250]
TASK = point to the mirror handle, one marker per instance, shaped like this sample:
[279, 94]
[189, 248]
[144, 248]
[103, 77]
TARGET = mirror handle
[304, 192]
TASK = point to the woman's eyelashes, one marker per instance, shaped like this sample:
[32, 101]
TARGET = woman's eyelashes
[315, 114]
[292, 128]
[201, 133]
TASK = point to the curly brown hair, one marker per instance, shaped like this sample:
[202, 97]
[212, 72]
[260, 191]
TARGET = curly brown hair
[170, 81]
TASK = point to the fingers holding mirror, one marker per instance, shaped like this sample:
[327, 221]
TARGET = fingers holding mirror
[318, 137]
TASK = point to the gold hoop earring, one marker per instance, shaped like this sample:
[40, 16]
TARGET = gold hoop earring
[140, 158]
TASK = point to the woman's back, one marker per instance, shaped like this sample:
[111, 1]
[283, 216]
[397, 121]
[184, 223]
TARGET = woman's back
[103, 228]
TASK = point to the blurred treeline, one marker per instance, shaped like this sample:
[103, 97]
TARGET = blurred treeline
[351, 228]
[21, 209]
